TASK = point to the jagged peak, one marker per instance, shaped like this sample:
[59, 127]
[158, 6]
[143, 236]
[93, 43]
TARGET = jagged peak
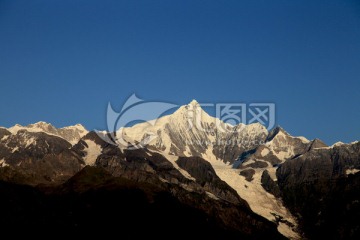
[194, 102]
[194, 110]
[282, 130]
[256, 124]
[40, 124]
[192, 106]
[274, 132]
[317, 143]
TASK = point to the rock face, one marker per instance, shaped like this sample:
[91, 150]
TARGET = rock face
[36, 157]
[269, 184]
[205, 175]
[323, 187]
[321, 164]
[248, 174]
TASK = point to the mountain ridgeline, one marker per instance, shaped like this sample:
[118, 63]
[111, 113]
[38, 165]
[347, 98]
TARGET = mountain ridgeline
[197, 177]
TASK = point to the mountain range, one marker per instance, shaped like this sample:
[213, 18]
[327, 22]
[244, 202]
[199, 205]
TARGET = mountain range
[196, 176]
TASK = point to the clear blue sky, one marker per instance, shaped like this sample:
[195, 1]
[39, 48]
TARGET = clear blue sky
[63, 61]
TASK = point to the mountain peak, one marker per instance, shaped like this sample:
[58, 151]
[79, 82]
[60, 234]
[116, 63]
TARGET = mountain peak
[188, 108]
[71, 133]
[275, 131]
[194, 103]
[39, 124]
[317, 143]
[78, 126]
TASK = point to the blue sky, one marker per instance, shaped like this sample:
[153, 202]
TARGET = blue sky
[63, 61]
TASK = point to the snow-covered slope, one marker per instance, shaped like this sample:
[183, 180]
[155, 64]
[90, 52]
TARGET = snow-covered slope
[259, 200]
[92, 151]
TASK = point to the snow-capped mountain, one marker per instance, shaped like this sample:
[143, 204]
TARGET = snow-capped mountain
[190, 131]
[72, 134]
[190, 151]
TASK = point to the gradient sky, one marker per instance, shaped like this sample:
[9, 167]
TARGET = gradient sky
[63, 61]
